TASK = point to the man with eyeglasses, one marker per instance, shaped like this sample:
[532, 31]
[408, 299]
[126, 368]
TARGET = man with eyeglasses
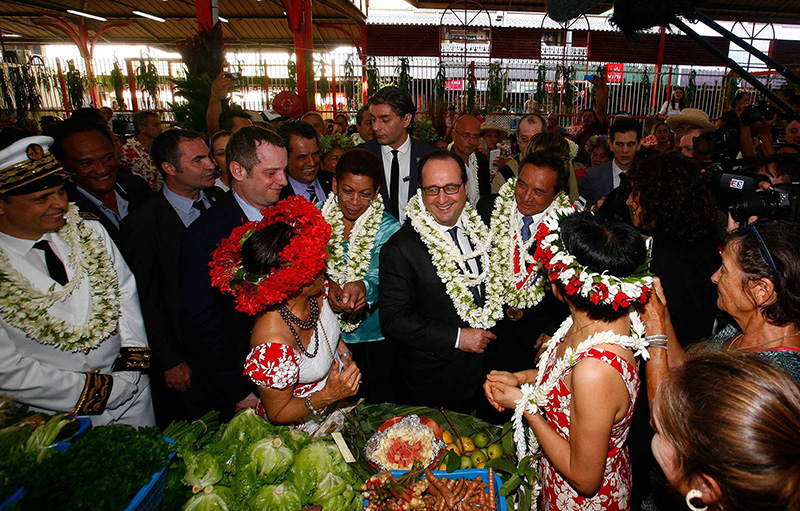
[392, 111]
[466, 136]
[433, 275]
[360, 226]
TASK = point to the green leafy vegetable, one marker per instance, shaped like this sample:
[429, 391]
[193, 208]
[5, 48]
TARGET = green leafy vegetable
[281, 497]
[202, 470]
[216, 498]
[272, 458]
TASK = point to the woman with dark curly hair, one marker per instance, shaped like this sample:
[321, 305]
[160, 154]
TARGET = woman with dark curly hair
[671, 202]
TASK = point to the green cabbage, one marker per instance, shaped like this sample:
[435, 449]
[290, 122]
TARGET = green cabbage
[245, 428]
[212, 498]
[314, 463]
[348, 500]
[202, 470]
[330, 486]
[281, 497]
[272, 458]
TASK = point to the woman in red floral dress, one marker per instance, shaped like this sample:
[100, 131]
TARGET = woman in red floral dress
[586, 395]
[275, 269]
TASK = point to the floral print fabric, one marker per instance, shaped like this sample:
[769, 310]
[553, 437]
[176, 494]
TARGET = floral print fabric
[615, 490]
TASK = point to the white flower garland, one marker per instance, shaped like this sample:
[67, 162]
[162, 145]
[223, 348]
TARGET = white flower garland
[451, 264]
[354, 265]
[534, 397]
[25, 307]
[507, 242]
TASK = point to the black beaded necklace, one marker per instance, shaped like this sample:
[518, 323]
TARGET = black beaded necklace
[290, 318]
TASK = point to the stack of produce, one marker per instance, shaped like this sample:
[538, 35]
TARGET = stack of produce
[254, 465]
[23, 446]
[103, 469]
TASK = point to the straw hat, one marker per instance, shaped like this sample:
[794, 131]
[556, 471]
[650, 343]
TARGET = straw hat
[693, 116]
[493, 126]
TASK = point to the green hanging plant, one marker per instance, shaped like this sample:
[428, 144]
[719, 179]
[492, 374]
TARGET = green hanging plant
[323, 87]
[291, 67]
[471, 89]
[691, 88]
[26, 93]
[373, 76]
[646, 86]
[729, 89]
[118, 83]
[76, 85]
[439, 85]
[403, 71]
[349, 81]
[555, 100]
[496, 86]
[147, 80]
[569, 90]
[541, 84]
[6, 103]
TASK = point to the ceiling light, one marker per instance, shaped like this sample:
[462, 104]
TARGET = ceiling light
[224, 20]
[86, 15]
[149, 16]
[10, 35]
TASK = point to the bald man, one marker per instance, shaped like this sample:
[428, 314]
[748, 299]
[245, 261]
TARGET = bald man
[466, 135]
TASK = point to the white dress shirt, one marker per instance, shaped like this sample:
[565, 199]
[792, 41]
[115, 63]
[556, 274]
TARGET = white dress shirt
[184, 206]
[251, 212]
[122, 206]
[404, 161]
[616, 172]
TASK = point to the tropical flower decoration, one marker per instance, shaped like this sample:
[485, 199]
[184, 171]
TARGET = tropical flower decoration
[328, 143]
[599, 288]
[573, 149]
[302, 260]
[595, 141]
[425, 131]
[23, 306]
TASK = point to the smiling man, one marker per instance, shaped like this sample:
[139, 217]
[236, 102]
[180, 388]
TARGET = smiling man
[153, 237]
[216, 336]
[422, 302]
[79, 355]
[86, 151]
[598, 182]
[303, 175]
[392, 111]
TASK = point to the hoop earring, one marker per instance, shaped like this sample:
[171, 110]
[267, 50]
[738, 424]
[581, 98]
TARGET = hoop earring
[694, 494]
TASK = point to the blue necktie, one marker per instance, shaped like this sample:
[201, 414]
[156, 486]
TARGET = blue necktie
[527, 220]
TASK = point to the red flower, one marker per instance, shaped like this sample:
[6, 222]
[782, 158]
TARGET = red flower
[645, 295]
[303, 258]
[621, 300]
[574, 286]
[599, 293]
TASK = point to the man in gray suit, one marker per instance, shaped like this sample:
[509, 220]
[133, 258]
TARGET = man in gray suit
[598, 182]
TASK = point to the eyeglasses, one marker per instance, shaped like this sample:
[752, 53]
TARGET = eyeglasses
[350, 196]
[762, 247]
[432, 191]
[468, 136]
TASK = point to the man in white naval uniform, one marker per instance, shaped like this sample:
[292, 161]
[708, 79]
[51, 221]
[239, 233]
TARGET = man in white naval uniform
[94, 371]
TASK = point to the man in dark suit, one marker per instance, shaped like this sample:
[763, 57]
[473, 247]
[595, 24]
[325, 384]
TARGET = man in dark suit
[304, 178]
[86, 150]
[543, 177]
[215, 334]
[392, 111]
[440, 355]
[625, 135]
[153, 236]
[466, 135]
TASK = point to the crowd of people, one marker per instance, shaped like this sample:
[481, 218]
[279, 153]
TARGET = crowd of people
[638, 324]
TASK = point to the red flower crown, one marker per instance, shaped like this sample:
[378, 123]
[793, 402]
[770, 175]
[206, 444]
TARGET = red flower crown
[303, 259]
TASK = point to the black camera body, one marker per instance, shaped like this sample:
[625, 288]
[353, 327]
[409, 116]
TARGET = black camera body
[777, 203]
[717, 145]
[753, 113]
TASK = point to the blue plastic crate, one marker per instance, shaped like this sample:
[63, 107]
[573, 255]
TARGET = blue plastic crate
[472, 473]
[13, 499]
[149, 497]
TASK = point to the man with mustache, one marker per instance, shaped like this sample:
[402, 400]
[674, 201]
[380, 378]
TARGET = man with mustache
[153, 237]
[71, 335]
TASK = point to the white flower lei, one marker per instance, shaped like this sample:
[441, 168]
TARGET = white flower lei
[451, 264]
[25, 307]
[506, 239]
[534, 397]
[354, 266]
